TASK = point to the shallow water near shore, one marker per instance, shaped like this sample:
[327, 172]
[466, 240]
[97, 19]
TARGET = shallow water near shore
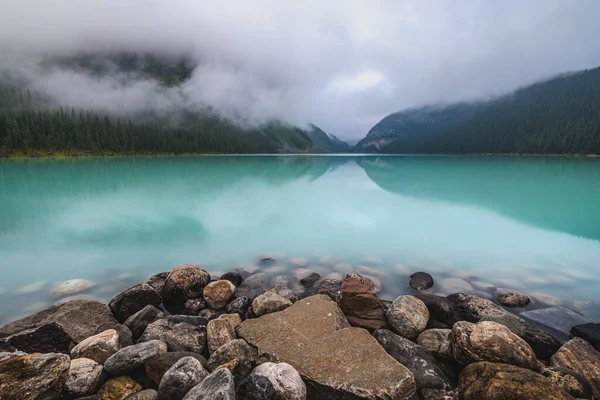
[531, 223]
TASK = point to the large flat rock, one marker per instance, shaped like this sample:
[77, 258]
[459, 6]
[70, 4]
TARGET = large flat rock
[336, 361]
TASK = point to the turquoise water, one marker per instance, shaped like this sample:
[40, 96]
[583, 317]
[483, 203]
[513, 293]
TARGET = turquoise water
[524, 223]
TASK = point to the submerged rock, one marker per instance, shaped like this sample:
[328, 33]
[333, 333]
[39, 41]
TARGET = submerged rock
[332, 288]
[579, 356]
[180, 333]
[513, 299]
[72, 287]
[180, 378]
[186, 281]
[98, 347]
[129, 358]
[360, 305]
[218, 293]
[306, 277]
[559, 318]
[408, 316]
[454, 285]
[134, 299]
[252, 287]
[420, 281]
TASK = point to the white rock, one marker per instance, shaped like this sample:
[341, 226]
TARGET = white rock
[31, 288]
[71, 287]
[98, 347]
[285, 379]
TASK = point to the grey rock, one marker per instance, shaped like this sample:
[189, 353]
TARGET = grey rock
[157, 281]
[129, 358]
[180, 333]
[5, 355]
[437, 341]
[408, 316]
[440, 308]
[47, 338]
[193, 306]
[269, 302]
[180, 378]
[255, 387]
[84, 377]
[234, 277]
[560, 318]
[148, 394]
[156, 366]
[306, 277]
[186, 281]
[589, 332]
[439, 394]
[138, 322]
[420, 281]
[132, 300]
[239, 306]
[217, 386]
[286, 381]
[454, 285]
[252, 287]
[98, 347]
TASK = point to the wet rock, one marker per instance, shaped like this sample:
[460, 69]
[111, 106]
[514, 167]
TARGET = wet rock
[332, 288]
[408, 316]
[269, 302]
[265, 259]
[490, 341]
[579, 356]
[157, 281]
[589, 309]
[217, 386]
[148, 394]
[438, 341]
[239, 306]
[119, 388]
[343, 268]
[218, 293]
[255, 387]
[589, 332]
[186, 281]
[34, 376]
[571, 382]
[485, 380]
[439, 394]
[180, 378]
[71, 287]
[298, 262]
[331, 369]
[132, 300]
[252, 287]
[221, 330]
[208, 313]
[98, 347]
[129, 358]
[234, 277]
[419, 361]
[546, 299]
[237, 356]
[513, 299]
[454, 285]
[440, 308]
[48, 338]
[31, 288]
[360, 305]
[180, 333]
[84, 377]
[193, 306]
[283, 291]
[5, 355]
[559, 318]
[138, 322]
[420, 281]
[286, 381]
[156, 366]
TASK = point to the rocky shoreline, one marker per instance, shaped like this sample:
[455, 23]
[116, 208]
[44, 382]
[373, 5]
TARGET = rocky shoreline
[186, 335]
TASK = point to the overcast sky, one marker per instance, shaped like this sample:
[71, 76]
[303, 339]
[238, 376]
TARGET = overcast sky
[341, 64]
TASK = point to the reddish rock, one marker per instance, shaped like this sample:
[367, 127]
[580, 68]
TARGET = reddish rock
[360, 305]
[579, 356]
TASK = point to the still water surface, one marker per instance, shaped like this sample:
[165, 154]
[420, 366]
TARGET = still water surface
[525, 223]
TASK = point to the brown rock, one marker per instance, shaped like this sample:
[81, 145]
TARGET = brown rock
[98, 347]
[119, 388]
[270, 302]
[221, 330]
[186, 281]
[571, 382]
[360, 305]
[513, 299]
[218, 293]
[579, 356]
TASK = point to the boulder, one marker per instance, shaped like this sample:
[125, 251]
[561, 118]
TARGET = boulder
[34, 376]
[437, 341]
[439, 394]
[186, 281]
[589, 332]
[329, 367]
[332, 288]
[306, 277]
[157, 281]
[237, 356]
[286, 381]
[560, 318]
[419, 361]
[132, 300]
[269, 302]
[239, 306]
[408, 316]
[98, 347]
[180, 378]
[420, 281]
[234, 277]
[570, 381]
[119, 388]
[360, 305]
[217, 386]
[129, 358]
[485, 380]
[255, 387]
[47, 338]
[252, 286]
[148, 394]
[490, 341]
[156, 366]
[579, 356]
[180, 333]
[218, 293]
[84, 377]
[221, 330]
[440, 308]
[138, 322]
[513, 299]
[71, 287]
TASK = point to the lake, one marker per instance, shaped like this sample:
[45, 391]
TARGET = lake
[525, 223]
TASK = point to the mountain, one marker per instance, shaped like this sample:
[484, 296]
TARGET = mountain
[557, 116]
[327, 142]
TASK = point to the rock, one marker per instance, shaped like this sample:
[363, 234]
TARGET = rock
[490, 341]
[180, 378]
[156, 366]
[579, 356]
[48, 338]
[360, 305]
[513, 299]
[543, 344]
[419, 361]
[31, 288]
[343, 268]
[237, 356]
[335, 275]
[485, 380]
[285, 379]
[589, 309]
[252, 287]
[193, 306]
[186, 281]
[132, 300]
[34, 376]
[71, 287]
[5, 355]
[78, 319]
[208, 314]
[98, 347]
[298, 262]
[269, 302]
[420, 281]
[283, 291]
[439, 394]
[546, 299]
[571, 382]
[132, 357]
[306, 277]
[438, 341]
[589, 332]
[180, 333]
[331, 287]
[370, 281]
[84, 377]
[559, 318]
[218, 293]
[217, 386]
[239, 306]
[454, 285]
[138, 322]
[234, 277]
[255, 387]
[330, 369]
[125, 336]
[408, 316]
[157, 281]
[221, 330]
[266, 259]
[119, 388]
[148, 394]
[440, 308]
